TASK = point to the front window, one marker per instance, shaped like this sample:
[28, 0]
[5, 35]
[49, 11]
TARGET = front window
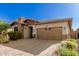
[15, 28]
[65, 27]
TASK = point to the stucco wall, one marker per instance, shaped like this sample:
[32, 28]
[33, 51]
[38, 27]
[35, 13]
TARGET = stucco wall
[9, 29]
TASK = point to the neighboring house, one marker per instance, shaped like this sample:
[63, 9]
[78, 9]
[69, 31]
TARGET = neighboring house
[73, 34]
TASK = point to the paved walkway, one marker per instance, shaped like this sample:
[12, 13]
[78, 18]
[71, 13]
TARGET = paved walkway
[34, 46]
[7, 51]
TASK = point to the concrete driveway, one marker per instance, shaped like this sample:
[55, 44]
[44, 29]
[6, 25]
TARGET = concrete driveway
[33, 46]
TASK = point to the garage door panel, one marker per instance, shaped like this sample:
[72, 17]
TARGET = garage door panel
[41, 33]
[50, 33]
[55, 33]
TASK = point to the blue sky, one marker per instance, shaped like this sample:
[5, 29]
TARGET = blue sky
[10, 12]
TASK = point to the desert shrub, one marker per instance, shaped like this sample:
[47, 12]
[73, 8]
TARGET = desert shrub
[69, 44]
[67, 52]
[4, 37]
[15, 35]
[68, 48]
[3, 32]
[72, 40]
[63, 44]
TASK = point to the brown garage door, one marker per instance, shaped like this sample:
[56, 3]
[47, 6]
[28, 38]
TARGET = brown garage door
[54, 33]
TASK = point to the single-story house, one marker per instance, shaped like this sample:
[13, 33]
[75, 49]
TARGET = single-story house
[58, 29]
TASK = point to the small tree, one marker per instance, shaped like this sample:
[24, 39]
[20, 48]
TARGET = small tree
[3, 33]
[3, 25]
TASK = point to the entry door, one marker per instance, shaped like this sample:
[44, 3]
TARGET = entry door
[30, 32]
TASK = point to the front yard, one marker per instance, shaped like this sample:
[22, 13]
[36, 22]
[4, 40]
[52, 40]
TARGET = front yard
[13, 40]
[52, 47]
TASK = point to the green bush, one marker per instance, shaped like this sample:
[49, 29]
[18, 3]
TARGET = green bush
[15, 35]
[69, 44]
[3, 26]
[72, 40]
[68, 48]
[4, 38]
[67, 52]
[63, 44]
